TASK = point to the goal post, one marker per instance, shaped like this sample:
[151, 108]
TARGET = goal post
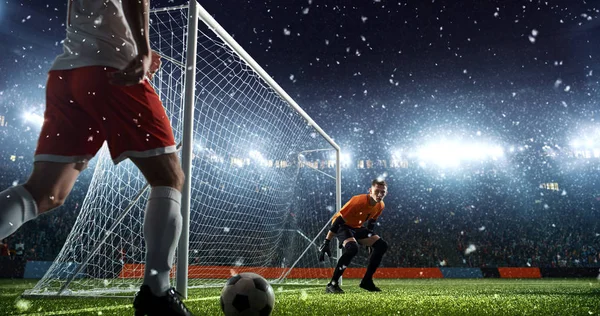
[262, 178]
[187, 152]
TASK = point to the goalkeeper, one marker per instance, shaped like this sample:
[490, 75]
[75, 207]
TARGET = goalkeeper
[347, 224]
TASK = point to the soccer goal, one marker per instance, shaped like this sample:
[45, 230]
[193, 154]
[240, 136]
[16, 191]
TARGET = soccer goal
[263, 179]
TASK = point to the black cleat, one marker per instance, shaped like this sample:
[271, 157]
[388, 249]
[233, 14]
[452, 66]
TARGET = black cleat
[335, 289]
[146, 303]
[369, 286]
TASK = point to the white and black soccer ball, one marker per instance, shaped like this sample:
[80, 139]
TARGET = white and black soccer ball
[247, 294]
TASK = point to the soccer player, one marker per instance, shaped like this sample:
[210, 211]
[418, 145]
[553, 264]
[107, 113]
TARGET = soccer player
[97, 90]
[347, 225]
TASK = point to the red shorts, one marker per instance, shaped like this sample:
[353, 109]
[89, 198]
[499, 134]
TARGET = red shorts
[83, 110]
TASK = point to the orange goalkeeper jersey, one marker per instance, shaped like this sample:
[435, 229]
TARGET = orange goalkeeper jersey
[358, 210]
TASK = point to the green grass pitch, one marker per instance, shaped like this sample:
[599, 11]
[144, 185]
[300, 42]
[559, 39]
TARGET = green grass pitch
[399, 297]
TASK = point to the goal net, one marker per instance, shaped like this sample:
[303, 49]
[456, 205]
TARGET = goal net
[263, 178]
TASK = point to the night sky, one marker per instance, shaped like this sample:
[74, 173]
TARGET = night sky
[379, 75]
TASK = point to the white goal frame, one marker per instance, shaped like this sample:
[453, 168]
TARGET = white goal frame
[196, 9]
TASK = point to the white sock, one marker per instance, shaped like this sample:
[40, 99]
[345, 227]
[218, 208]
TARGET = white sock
[17, 206]
[162, 228]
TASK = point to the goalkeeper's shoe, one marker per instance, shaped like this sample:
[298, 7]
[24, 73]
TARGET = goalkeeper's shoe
[335, 289]
[146, 303]
[369, 286]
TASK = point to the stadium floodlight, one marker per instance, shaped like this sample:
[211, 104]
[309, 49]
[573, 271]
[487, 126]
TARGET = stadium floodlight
[237, 216]
[576, 143]
[451, 154]
[589, 143]
[443, 154]
[587, 137]
[583, 143]
[345, 159]
[496, 152]
[258, 157]
[586, 144]
[34, 118]
[397, 155]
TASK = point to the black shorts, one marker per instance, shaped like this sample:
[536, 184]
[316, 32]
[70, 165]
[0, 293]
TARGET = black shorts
[345, 232]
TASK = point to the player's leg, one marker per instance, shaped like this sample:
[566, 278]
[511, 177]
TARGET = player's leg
[47, 188]
[379, 247]
[162, 220]
[350, 250]
[162, 228]
[141, 131]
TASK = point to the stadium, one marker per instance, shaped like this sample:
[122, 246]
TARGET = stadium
[492, 208]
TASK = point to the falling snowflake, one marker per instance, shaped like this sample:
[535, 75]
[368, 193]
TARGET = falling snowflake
[22, 305]
[470, 249]
[303, 295]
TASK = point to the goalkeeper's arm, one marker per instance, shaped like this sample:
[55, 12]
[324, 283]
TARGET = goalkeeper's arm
[325, 249]
[370, 224]
[335, 226]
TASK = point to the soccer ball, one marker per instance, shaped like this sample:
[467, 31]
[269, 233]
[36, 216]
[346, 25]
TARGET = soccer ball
[247, 294]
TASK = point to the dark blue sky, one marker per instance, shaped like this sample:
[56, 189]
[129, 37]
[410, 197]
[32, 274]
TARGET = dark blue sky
[383, 72]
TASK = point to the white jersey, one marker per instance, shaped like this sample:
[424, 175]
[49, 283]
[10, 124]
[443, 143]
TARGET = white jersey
[97, 35]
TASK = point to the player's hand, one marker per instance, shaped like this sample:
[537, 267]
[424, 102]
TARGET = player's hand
[324, 249]
[154, 65]
[133, 73]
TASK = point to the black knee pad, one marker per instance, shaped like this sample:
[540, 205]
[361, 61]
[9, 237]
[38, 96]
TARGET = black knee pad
[351, 248]
[380, 245]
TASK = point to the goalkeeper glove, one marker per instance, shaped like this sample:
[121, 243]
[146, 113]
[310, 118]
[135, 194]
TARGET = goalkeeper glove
[324, 249]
